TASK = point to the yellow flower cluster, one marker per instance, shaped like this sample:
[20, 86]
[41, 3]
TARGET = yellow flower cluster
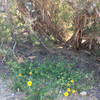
[72, 81]
[68, 89]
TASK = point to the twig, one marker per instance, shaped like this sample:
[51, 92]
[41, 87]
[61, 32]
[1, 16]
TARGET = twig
[1, 43]
[2, 61]
[14, 46]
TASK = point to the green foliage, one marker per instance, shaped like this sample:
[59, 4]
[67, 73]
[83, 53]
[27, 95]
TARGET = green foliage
[63, 13]
[5, 35]
[47, 78]
[4, 29]
[97, 52]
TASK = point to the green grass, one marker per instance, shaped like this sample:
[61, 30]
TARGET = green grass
[48, 78]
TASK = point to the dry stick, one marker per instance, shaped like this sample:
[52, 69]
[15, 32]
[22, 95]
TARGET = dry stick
[1, 43]
[2, 61]
[14, 46]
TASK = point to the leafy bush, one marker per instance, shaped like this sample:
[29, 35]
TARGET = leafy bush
[4, 29]
[45, 80]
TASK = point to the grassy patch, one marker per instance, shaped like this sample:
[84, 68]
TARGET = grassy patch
[45, 80]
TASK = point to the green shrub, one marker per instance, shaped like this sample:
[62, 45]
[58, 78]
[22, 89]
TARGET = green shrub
[48, 78]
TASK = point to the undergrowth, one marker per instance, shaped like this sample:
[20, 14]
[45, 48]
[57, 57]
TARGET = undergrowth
[46, 80]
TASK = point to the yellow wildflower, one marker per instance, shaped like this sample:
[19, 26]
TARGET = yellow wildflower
[29, 83]
[57, 91]
[73, 91]
[68, 89]
[68, 84]
[66, 94]
[72, 81]
[30, 73]
[19, 74]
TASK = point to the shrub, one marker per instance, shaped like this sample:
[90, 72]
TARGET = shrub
[45, 80]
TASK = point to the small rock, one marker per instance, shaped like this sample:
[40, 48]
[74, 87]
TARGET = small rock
[4, 86]
[60, 92]
[83, 93]
[13, 94]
